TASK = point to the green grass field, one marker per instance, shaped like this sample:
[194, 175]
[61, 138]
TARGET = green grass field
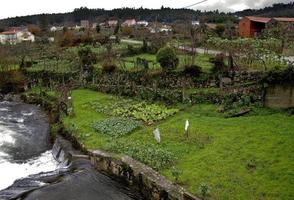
[244, 158]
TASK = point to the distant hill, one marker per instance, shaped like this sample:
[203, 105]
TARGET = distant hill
[162, 15]
[99, 15]
[276, 10]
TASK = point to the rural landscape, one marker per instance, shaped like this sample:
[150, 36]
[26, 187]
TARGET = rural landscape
[137, 103]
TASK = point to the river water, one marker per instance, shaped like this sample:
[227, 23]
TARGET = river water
[29, 170]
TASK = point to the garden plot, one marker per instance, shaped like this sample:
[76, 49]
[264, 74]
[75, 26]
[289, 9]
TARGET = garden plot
[235, 158]
[141, 111]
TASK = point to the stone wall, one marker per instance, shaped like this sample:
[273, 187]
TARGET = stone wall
[280, 96]
[144, 179]
[150, 183]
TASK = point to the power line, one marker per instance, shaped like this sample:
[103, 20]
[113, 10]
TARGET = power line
[195, 4]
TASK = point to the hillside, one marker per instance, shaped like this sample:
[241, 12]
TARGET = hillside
[162, 15]
[277, 10]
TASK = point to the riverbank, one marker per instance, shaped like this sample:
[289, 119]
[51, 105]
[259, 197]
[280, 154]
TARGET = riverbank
[72, 177]
[136, 175]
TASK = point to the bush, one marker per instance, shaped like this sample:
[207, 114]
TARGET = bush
[150, 154]
[167, 58]
[109, 68]
[116, 127]
[193, 70]
[219, 66]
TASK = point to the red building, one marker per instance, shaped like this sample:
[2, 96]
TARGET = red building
[252, 26]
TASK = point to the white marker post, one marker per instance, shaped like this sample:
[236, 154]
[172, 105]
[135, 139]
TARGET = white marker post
[187, 124]
[157, 135]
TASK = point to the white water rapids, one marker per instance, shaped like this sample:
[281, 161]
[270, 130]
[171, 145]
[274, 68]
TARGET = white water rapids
[14, 129]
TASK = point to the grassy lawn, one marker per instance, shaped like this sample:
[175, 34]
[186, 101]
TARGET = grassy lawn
[238, 158]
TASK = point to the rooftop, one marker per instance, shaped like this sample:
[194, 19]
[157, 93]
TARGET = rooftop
[259, 19]
[284, 19]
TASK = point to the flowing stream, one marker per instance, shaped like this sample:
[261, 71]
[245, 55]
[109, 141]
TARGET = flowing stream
[31, 169]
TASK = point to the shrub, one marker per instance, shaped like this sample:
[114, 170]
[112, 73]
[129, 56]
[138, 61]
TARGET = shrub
[116, 127]
[167, 58]
[204, 191]
[109, 68]
[151, 154]
[193, 70]
[219, 64]
[176, 173]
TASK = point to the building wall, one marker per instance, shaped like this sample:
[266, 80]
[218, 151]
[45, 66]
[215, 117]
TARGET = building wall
[245, 28]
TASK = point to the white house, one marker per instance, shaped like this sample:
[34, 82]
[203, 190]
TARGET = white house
[195, 23]
[56, 28]
[112, 23]
[16, 36]
[142, 23]
[129, 22]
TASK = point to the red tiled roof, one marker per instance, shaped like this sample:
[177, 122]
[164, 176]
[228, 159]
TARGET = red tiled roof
[284, 19]
[8, 33]
[259, 19]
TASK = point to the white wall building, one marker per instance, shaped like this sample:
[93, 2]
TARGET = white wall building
[142, 23]
[16, 36]
[129, 22]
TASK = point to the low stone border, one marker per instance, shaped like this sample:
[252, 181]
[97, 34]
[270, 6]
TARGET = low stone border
[150, 183]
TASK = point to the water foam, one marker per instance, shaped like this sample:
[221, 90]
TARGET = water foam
[6, 136]
[12, 171]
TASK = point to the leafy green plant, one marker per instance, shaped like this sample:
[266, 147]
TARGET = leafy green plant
[151, 154]
[167, 58]
[116, 127]
[204, 191]
[148, 113]
[176, 173]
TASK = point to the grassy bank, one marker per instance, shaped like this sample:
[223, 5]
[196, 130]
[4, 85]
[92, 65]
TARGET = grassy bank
[238, 158]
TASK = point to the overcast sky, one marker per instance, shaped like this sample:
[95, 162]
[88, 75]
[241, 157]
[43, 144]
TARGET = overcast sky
[12, 8]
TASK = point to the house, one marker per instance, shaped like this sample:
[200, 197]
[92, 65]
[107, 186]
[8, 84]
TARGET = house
[165, 28]
[94, 25]
[129, 22]
[251, 26]
[288, 23]
[195, 23]
[56, 28]
[85, 24]
[14, 36]
[211, 26]
[142, 23]
[112, 23]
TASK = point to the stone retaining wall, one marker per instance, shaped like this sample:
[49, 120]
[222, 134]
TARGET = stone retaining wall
[279, 96]
[150, 183]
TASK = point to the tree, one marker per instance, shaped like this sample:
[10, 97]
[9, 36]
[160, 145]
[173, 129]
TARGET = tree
[116, 30]
[167, 58]
[43, 21]
[219, 30]
[35, 30]
[87, 59]
[98, 28]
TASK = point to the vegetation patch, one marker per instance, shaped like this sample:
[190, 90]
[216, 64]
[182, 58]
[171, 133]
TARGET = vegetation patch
[148, 113]
[116, 127]
[151, 154]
